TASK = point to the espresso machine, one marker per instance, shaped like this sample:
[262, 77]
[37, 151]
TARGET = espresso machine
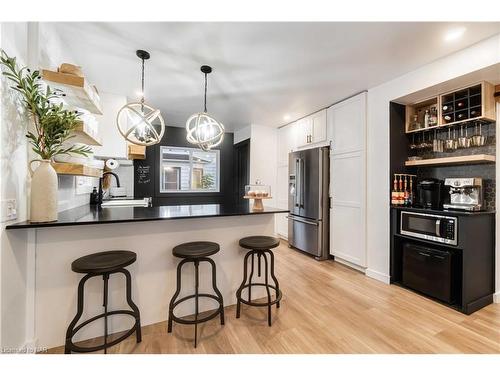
[466, 194]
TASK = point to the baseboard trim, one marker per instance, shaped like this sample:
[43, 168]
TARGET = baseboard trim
[386, 279]
[496, 297]
[349, 264]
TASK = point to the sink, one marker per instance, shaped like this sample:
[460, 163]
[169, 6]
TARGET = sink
[127, 203]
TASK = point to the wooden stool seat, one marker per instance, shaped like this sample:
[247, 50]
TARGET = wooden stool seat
[103, 262]
[259, 242]
[197, 249]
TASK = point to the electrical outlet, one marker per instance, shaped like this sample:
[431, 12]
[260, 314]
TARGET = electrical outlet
[9, 210]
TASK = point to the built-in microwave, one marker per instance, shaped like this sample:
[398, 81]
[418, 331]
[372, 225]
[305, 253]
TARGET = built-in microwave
[437, 228]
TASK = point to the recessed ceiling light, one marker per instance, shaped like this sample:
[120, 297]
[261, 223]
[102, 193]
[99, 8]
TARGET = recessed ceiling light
[454, 34]
[286, 117]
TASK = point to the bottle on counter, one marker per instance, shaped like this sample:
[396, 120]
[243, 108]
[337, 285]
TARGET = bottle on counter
[394, 192]
[406, 194]
[411, 198]
[401, 193]
[94, 196]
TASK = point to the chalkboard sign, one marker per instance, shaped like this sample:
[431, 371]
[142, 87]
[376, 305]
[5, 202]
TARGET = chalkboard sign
[143, 174]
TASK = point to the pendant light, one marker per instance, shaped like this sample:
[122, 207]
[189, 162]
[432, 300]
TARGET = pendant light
[202, 129]
[140, 123]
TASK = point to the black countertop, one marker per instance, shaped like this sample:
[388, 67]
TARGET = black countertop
[443, 212]
[87, 215]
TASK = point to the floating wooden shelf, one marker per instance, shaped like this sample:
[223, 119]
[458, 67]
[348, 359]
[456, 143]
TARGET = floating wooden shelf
[136, 152]
[468, 159]
[83, 135]
[79, 93]
[76, 170]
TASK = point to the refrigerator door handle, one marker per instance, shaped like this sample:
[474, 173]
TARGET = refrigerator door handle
[297, 183]
[302, 184]
[300, 220]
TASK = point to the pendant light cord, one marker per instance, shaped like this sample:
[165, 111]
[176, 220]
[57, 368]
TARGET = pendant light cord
[205, 92]
[142, 86]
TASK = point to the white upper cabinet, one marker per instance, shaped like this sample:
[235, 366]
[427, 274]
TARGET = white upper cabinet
[347, 125]
[312, 130]
[318, 127]
[113, 144]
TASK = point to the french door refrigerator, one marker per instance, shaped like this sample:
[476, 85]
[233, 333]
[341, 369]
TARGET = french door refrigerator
[308, 201]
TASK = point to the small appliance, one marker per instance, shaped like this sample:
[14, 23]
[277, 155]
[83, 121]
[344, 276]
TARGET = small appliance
[466, 194]
[430, 193]
[431, 227]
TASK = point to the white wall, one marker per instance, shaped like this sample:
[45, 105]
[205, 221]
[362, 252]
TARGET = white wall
[51, 53]
[242, 134]
[476, 57]
[13, 185]
[264, 157]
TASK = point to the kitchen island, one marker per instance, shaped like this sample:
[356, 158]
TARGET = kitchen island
[151, 232]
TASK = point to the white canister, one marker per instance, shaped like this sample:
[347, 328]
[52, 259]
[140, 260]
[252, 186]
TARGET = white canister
[43, 207]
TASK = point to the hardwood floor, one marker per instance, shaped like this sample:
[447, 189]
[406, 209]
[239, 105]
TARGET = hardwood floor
[330, 308]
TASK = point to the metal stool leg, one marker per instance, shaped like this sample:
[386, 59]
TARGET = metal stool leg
[196, 287]
[216, 290]
[132, 305]
[79, 312]
[258, 269]
[238, 292]
[176, 294]
[273, 276]
[105, 278]
[268, 291]
[250, 280]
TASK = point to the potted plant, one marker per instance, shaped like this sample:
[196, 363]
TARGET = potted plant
[52, 126]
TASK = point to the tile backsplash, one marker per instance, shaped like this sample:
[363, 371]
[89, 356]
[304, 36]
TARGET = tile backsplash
[486, 171]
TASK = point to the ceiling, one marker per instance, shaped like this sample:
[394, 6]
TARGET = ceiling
[261, 71]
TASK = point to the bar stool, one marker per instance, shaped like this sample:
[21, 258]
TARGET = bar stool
[103, 264]
[260, 246]
[195, 252]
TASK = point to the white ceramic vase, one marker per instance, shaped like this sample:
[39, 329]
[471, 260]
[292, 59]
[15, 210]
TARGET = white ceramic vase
[43, 192]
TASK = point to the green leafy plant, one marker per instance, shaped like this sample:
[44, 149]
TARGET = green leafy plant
[53, 124]
[207, 181]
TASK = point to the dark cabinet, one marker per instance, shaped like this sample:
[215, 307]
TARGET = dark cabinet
[430, 271]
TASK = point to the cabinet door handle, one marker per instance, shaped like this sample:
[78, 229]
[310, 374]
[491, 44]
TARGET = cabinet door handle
[424, 254]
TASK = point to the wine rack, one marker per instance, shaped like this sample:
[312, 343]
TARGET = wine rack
[475, 102]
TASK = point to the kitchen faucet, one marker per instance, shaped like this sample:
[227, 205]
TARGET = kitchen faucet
[100, 193]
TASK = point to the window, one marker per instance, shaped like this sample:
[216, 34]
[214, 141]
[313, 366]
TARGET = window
[188, 170]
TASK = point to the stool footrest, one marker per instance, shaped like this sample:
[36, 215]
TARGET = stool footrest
[75, 348]
[259, 304]
[202, 320]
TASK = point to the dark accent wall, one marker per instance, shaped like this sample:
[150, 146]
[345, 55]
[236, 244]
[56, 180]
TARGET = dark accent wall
[147, 177]
[399, 152]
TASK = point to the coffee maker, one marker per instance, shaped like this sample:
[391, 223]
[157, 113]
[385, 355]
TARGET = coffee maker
[466, 194]
[430, 193]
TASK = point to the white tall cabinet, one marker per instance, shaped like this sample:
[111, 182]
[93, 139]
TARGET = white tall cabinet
[347, 133]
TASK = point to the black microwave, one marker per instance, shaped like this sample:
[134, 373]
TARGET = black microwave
[431, 227]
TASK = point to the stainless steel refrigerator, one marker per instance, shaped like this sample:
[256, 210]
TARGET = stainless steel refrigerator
[308, 201]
